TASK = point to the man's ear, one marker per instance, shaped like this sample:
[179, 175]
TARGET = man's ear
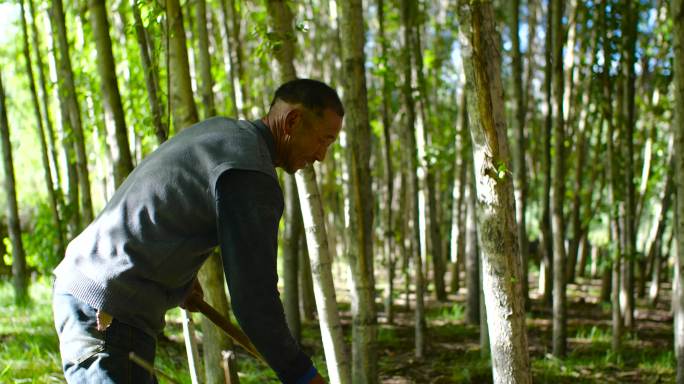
[292, 119]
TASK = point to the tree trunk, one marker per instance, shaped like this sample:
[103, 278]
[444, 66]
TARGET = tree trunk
[324, 289]
[20, 279]
[308, 305]
[360, 254]
[559, 293]
[430, 232]
[654, 250]
[495, 201]
[546, 267]
[407, 15]
[578, 227]
[70, 209]
[388, 169]
[677, 9]
[312, 213]
[182, 106]
[237, 55]
[50, 132]
[472, 257]
[185, 114]
[459, 208]
[281, 19]
[49, 185]
[114, 114]
[628, 56]
[615, 249]
[228, 57]
[151, 80]
[215, 341]
[519, 128]
[204, 58]
[68, 93]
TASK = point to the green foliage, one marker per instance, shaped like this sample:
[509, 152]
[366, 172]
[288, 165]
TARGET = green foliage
[40, 244]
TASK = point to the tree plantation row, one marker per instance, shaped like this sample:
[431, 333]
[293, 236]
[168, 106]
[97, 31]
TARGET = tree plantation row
[499, 150]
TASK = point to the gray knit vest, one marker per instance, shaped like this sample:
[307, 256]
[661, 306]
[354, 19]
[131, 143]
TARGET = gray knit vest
[138, 258]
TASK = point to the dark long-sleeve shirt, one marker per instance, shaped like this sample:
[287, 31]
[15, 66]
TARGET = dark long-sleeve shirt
[250, 205]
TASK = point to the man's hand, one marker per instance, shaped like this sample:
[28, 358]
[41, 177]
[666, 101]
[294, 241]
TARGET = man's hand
[317, 380]
[196, 294]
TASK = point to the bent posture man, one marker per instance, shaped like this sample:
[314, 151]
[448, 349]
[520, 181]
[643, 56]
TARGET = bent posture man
[212, 184]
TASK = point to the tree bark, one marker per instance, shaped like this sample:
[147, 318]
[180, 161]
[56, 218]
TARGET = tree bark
[204, 58]
[20, 279]
[629, 31]
[407, 15]
[677, 14]
[237, 55]
[114, 114]
[182, 106]
[68, 93]
[70, 209]
[559, 293]
[281, 19]
[50, 132]
[519, 128]
[360, 255]
[151, 80]
[388, 168]
[47, 174]
[495, 202]
[472, 257]
[615, 249]
[459, 208]
[311, 207]
[546, 267]
[215, 341]
[321, 264]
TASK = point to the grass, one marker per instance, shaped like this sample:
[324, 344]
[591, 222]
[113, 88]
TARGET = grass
[29, 349]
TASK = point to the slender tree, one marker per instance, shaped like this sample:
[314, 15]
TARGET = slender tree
[19, 276]
[388, 168]
[559, 293]
[47, 174]
[408, 13]
[313, 219]
[49, 130]
[519, 128]
[546, 269]
[677, 14]
[183, 106]
[72, 109]
[151, 78]
[495, 201]
[360, 255]
[284, 49]
[629, 31]
[114, 114]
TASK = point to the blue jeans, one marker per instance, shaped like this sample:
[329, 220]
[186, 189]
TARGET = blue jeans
[92, 356]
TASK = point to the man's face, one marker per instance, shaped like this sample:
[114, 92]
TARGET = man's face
[310, 138]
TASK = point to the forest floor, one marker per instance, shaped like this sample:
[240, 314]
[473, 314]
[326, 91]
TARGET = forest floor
[29, 349]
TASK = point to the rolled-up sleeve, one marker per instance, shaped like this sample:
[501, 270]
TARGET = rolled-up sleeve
[250, 205]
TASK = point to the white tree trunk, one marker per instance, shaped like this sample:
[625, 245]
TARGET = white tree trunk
[321, 267]
[495, 202]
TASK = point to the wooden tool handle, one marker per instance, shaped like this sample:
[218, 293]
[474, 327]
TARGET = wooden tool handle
[222, 322]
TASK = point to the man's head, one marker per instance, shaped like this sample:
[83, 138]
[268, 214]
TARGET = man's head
[305, 118]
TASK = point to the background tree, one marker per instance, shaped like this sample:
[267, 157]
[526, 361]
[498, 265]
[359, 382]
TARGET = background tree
[19, 275]
[495, 202]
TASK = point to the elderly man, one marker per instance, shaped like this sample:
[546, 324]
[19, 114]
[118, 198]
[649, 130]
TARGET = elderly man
[213, 184]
